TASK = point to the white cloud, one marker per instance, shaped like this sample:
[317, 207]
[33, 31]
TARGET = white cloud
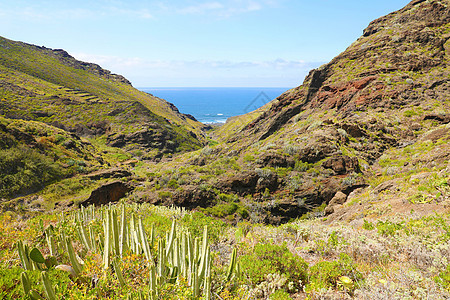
[42, 13]
[120, 62]
[201, 8]
[142, 72]
[227, 8]
[146, 10]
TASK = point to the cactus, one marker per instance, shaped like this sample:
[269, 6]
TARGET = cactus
[25, 283]
[123, 243]
[35, 295]
[144, 242]
[118, 272]
[76, 265]
[153, 284]
[179, 254]
[48, 288]
[233, 265]
[83, 236]
[115, 232]
[24, 256]
[107, 243]
[207, 276]
[50, 240]
[37, 256]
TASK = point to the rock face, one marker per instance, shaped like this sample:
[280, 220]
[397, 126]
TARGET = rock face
[110, 192]
[249, 182]
[271, 159]
[342, 164]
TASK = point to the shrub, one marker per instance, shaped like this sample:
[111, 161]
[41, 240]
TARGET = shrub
[25, 170]
[325, 274]
[444, 278]
[172, 183]
[196, 221]
[273, 259]
[388, 227]
[164, 194]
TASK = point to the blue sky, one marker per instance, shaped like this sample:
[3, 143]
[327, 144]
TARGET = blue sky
[257, 43]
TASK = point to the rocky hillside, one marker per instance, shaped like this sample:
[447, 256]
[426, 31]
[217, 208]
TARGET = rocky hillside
[365, 135]
[368, 127]
[50, 86]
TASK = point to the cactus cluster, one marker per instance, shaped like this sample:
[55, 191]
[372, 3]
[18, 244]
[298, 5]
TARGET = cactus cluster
[178, 254]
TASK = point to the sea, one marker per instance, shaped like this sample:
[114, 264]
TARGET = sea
[216, 104]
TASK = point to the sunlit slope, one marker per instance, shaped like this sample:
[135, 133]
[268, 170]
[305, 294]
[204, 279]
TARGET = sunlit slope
[51, 86]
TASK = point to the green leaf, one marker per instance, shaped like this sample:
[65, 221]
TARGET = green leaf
[37, 256]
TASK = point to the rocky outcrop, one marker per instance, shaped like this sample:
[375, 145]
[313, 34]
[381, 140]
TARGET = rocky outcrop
[244, 183]
[249, 182]
[109, 173]
[193, 196]
[338, 199]
[107, 193]
[342, 164]
[66, 58]
[152, 135]
[275, 160]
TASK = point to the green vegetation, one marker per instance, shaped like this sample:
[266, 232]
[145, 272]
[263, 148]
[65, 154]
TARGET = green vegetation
[24, 170]
[65, 253]
[354, 174]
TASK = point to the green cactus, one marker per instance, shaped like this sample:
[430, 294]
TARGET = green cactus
[118, 272]
[25, 280]
[107, 243]
[48, 288]
[24, 256]
[144, 243]
[83, 236]
[76, 265]
[153, 284]
[232, 266]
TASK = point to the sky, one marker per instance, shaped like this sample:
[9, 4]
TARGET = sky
[196, 43]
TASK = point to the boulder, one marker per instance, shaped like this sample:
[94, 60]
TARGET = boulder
[338, 199]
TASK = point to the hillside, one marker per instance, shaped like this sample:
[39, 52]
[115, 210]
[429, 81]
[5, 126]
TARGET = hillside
[101, 199]
[368, 128]
[50, 86]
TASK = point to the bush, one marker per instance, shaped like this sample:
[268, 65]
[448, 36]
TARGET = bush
[444, 278]
[272, 259]
[325, 274]
[24, 170]
[196, 221]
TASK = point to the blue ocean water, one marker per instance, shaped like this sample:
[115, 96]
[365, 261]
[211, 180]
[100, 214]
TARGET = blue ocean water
[216, 105]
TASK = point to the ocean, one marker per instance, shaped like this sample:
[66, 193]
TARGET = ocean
[216, 105]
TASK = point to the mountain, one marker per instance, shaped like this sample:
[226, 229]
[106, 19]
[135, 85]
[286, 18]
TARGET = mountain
[355, 161]
[50, 86]
[61, 118]
[364, 135]
[370, 127]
